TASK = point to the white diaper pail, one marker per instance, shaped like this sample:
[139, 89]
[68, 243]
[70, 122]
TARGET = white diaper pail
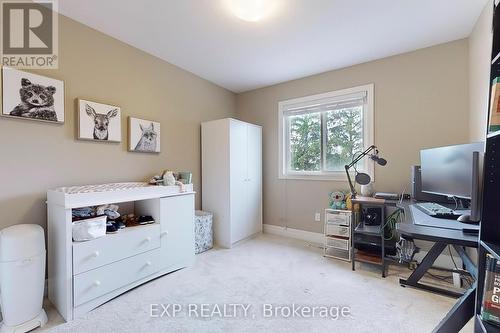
[22, 278]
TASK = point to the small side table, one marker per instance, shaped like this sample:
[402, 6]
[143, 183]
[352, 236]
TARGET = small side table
[369, 234]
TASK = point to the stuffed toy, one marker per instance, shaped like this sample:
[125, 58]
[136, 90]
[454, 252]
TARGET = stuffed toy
[337, 200]
[167, 178]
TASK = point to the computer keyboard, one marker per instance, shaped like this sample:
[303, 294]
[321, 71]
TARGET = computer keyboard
[436, 210]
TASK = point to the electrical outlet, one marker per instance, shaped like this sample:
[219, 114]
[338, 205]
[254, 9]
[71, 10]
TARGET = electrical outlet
[457, 282]
[317, 217]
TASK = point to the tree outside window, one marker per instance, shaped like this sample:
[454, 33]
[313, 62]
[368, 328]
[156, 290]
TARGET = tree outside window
[322, 133]
[343, 139]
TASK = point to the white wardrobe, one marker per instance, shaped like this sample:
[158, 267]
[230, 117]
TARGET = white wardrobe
[232, 178]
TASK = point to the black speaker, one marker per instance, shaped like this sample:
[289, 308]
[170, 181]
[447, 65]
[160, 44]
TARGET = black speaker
[372, 215]
[416, 188]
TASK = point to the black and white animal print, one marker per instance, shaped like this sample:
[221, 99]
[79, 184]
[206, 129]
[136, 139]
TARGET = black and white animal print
[148, 139]
[101, 122]
[37, 101]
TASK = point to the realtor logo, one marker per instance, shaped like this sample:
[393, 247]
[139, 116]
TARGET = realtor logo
[29, 34]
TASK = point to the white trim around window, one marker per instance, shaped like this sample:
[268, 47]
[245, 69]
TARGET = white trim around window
[307, 105]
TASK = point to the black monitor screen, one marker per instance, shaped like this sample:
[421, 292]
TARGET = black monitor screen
[448, 170]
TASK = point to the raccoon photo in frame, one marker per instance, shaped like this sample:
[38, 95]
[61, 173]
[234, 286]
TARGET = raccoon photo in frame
[99, 122]
[143, 135]
[31, 96]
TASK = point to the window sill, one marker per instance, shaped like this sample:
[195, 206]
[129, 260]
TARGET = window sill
[335, 178]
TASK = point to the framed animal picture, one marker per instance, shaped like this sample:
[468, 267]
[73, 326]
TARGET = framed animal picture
[31, 96]
[99, 122]
[143, 135]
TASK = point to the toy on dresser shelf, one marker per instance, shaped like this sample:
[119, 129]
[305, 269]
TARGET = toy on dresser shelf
[170, 178]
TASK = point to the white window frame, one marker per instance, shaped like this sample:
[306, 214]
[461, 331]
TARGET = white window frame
[368, 133]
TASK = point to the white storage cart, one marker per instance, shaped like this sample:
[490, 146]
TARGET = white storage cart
[338, 234]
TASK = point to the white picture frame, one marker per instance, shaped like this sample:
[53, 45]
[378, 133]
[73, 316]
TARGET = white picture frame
[143, 135]
[99, 122]
[30, 96]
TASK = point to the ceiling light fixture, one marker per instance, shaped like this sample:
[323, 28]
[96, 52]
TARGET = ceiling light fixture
[252, 10]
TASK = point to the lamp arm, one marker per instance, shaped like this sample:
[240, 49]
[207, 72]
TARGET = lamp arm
[353, 190]
[360, 156]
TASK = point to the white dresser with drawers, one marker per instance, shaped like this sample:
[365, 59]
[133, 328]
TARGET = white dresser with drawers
[84, 275]
[338, 234]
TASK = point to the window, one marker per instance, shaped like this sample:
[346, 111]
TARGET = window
[320, 134]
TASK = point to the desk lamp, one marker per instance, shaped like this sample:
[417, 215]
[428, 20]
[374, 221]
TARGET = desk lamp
[362, 178]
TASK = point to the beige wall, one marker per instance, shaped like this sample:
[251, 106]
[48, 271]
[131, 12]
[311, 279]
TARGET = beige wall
[421, 100]
[37, 156]
[414, 92]
[480, 42]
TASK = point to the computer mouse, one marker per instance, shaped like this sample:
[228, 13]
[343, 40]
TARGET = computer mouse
[464, 218]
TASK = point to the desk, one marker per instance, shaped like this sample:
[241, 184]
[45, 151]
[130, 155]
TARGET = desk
[463, 310]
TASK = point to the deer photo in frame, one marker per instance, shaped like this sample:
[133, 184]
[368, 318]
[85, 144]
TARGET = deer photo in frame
[99, 122]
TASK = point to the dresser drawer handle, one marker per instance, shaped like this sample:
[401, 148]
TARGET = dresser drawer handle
[148, 263]
[96, 254]
[148, 239]
[164, 233]
[97, 283]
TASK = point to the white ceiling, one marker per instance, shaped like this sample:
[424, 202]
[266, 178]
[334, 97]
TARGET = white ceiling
[304, 37]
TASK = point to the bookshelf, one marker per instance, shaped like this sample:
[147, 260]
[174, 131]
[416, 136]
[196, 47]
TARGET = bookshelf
[482, 326]
[489, 235]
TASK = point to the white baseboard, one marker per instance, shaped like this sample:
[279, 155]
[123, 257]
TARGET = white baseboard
[308, 236]
[443, 260]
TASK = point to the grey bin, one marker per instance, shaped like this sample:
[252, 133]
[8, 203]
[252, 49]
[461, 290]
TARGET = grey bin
[203, 234]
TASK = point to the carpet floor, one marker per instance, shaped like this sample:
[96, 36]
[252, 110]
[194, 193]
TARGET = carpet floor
[262, 274]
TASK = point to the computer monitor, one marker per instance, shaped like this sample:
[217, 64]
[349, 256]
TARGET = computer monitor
[454, 171]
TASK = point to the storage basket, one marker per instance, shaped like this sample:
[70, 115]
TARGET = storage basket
[338, 243]
[85, 230]
[337, 230]
[203, 234]
[338, 219]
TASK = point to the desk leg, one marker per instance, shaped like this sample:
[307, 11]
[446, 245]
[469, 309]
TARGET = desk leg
[469, 265]
[426, 263]
[383, 253]
[459, 315]
[353, 252]
[418, 273]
